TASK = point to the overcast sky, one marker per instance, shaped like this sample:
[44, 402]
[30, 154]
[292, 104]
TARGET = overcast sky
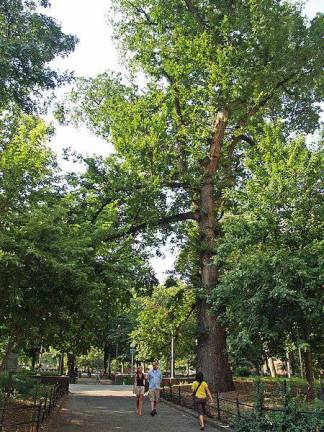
[94, 54]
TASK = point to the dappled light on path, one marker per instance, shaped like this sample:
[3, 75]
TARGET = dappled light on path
[99, 408]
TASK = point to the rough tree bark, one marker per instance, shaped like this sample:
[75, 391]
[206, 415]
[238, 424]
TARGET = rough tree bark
[9, 348]
[107, 359]
[309, 374]
[272, 368]
[212, 352]
[71, 364]
[34, 356]
[61, 365]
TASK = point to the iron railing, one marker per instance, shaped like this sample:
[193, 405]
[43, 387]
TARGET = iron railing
[18, 416]
[225, 409]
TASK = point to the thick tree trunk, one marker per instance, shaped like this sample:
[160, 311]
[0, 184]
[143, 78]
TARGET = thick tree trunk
[106, 356]
[35, 352]
[289, 373]
[109, 364]
[71, 364]
[61, 367]
[212, 353]
[267, 364]
[9, 348]
[272, 368]
[309, 374]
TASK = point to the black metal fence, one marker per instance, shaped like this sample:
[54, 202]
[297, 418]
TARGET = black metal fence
[18, 416]
[225, 409]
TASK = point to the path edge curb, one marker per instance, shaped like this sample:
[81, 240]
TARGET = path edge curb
[219, 426]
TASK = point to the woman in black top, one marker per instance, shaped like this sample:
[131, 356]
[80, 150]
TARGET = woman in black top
[139, 389]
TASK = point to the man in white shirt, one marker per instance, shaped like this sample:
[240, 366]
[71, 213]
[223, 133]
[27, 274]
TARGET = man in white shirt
[154, 379]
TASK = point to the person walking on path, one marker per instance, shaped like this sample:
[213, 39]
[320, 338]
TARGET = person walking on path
[200, 391]
[154, 379]
[139, 389]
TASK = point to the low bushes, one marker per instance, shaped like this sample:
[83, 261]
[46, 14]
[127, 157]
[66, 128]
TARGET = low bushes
[292, 421]
[123, 379]
[21, 386]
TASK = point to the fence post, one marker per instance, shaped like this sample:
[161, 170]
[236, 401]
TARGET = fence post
[238, 409]
[3, 410]
[50, 401]
[218, 406]
[45, 407]
[286, 407]
[259, 398]
[39, 415]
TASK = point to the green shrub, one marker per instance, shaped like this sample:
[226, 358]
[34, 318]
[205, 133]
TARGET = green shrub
[4, 380]
[278, 422]
[124, 379]
[21, 385]
[243, 371]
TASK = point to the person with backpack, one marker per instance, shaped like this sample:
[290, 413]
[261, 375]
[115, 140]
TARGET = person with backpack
[200, 392]
[139, 389]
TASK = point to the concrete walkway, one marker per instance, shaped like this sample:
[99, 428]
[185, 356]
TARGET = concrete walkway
[106, 408]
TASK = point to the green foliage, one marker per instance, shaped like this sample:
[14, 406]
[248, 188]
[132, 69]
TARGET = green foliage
[293, 418]
[271, 251]
[169, 310]
[243, 371]
[29, 40]
[292, 421]
[213, 74]
[193, 68]
[21, 385]
[93, 359]
[124, 380]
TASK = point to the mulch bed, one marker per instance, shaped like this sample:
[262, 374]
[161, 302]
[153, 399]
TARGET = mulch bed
[18, 416]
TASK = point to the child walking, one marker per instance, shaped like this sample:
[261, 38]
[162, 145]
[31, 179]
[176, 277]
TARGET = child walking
[200, 391]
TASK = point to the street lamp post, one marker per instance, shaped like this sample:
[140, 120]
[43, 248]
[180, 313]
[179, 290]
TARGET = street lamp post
[132, 352]
[172, 356]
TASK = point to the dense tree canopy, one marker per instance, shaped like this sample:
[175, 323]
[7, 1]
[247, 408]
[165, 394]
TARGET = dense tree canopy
[29, 40]
[213, 73]
[209, 158]
[270, 290]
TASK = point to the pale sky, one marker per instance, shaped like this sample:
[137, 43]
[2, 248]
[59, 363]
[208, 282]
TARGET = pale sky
[94, 54]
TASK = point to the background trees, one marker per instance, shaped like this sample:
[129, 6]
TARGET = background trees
[29, 40]
[270, 292]
[167, 313]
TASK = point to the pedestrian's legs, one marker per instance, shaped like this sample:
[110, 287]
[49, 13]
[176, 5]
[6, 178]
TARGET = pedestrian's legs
[200, 404]
[157, 398]
[201, 421]
[140, 405]
[137, 404]
[152, 399]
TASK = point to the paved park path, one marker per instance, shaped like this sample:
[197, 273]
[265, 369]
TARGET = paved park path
[108, 408]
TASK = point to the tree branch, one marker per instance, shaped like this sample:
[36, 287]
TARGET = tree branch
[171, 185]
[166, 220]
[217, 140]
[143, 13]
[194, 11]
